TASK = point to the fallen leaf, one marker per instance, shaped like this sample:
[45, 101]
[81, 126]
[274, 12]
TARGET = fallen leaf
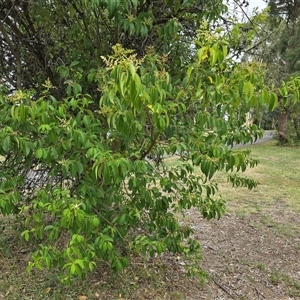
[11, 288]
[82, 297]
[47, 290]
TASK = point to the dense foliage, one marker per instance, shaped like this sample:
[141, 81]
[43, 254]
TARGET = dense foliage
[38, 38]
[84, 135]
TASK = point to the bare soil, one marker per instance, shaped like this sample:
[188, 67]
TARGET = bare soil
[252, 257]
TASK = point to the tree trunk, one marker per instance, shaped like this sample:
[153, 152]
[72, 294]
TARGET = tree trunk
[297, 126]
[282, 125]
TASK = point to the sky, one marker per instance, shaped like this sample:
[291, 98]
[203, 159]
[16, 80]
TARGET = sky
[257, 3]
[260, 4]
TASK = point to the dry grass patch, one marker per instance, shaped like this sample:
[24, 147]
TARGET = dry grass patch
[278, 175]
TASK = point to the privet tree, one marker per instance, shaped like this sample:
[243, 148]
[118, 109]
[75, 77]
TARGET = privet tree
[76, 146]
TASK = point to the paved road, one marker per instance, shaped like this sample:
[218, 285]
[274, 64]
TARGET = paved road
[268, 135]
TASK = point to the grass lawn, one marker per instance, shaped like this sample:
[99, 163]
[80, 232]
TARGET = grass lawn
[278, 175]
[264, 208]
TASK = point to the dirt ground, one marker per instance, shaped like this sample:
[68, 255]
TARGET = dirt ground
[251, 257]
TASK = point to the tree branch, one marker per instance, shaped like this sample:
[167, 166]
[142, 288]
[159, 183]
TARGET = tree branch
[16, 54]
[20, 36]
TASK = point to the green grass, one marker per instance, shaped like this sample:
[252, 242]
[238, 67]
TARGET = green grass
[261, 266]
[278, 175]
[277, 277]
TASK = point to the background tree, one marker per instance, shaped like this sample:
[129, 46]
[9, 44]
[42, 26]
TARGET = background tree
[276, 44]
[285, 49]
[91, 89]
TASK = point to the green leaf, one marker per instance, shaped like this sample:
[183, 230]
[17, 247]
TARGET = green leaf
[241, 88]
[79, 167]
[69, 90]
[189, 71]
[49, 227]
[39, 153]
[132, 70]
[27, 148]
[202, 55]
[23, 112]
[47, 261]
[95, 222]
[225, 50]
[72, 11]
[73, 169]
[106, 174]
[112, 5]
[77, 89]
[80, 263]
[74, 63]
[265, 96]
[213, 56]
[6, 143]
[25, 234]
[86, 120]
[73, 269]
[273, 102]
[45, 153]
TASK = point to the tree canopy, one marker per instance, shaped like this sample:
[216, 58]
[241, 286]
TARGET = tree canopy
[38, 37]
[95, 95]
